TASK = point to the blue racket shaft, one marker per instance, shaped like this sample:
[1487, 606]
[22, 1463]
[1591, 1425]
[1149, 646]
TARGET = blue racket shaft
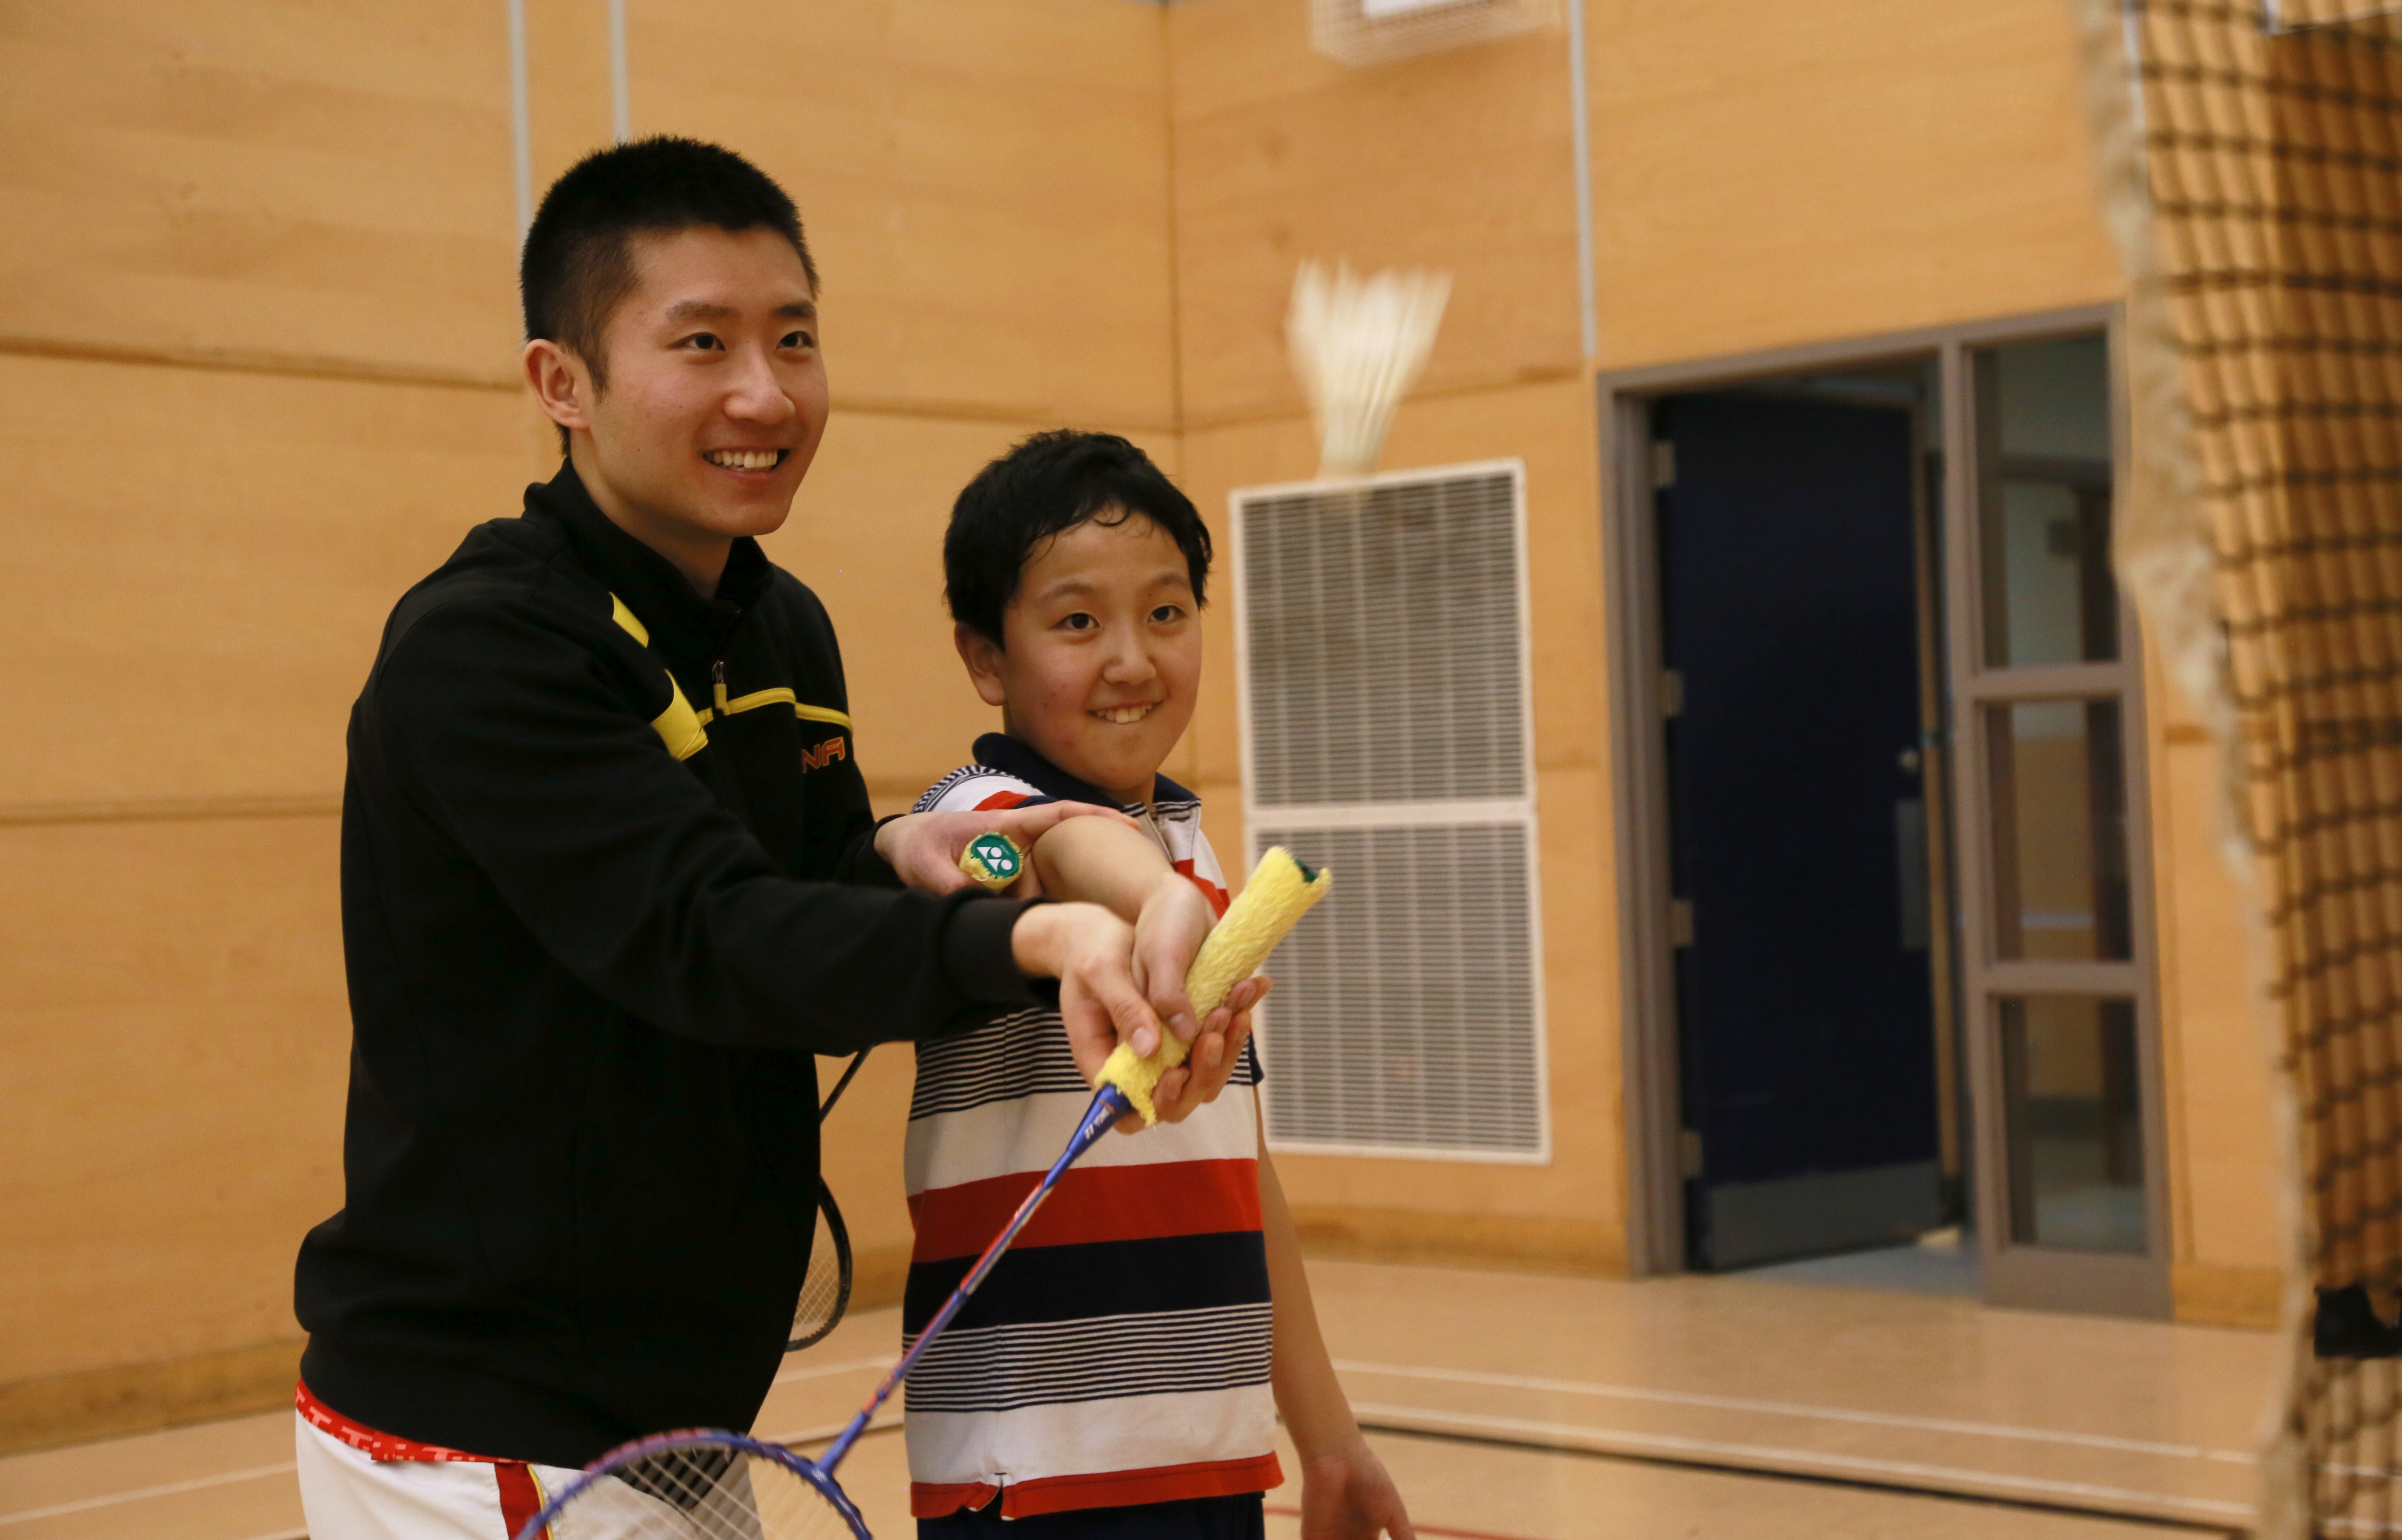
[1110, 1103]
[705, 1484]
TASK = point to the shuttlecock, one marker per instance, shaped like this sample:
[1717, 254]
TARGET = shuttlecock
[1357, 343]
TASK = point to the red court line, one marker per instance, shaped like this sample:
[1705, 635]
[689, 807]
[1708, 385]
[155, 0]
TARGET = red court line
[1436, 1531]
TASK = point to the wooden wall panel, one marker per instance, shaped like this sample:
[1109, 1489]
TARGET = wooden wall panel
[985, 187]
[201, 563]
[177, 1049]
[327, 179]
[1767, 173]
[1572, 1211]
[1459, 162]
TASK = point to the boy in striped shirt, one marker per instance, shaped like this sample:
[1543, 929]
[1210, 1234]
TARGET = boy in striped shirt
[1120, 1373]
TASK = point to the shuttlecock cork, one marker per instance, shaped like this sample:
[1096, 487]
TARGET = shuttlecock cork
[1358, 343]
[1280, 891]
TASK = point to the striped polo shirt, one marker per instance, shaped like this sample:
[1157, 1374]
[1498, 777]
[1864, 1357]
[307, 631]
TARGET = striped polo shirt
[1118, 1353]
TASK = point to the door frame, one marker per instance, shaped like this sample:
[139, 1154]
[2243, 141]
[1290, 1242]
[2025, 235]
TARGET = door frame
[1655, 1174]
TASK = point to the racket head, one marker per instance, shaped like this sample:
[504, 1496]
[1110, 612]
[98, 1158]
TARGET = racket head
[825, 1291]
[700, 1484]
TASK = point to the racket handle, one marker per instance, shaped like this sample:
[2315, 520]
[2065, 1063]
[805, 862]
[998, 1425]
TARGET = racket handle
[1110, 1103]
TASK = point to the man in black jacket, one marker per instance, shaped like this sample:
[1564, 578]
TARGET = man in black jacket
[610, 880]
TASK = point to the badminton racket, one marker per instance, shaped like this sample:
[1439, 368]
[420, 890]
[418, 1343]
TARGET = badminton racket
[825, 1288]
[703, 1484]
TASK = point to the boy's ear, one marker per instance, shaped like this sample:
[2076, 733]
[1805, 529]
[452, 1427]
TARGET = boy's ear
[982, 654]
[560, 383]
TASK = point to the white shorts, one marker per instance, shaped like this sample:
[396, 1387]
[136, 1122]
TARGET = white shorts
[348, 1494]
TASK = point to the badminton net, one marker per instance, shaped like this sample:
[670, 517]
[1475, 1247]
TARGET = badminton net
[2252, 166]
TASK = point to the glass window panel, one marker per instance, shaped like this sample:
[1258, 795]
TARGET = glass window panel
[2059, 801]
[2044, 477]
[2075, 1122]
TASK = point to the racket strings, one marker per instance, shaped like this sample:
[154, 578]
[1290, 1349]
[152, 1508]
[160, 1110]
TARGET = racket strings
[705, 1493]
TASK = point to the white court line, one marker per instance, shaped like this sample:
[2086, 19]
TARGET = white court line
[849, 1366]
[1967, 1481]
[1788, 1409]
[825, 1434]
[165, 1489]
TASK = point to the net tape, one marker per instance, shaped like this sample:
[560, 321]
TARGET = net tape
[2252, 169]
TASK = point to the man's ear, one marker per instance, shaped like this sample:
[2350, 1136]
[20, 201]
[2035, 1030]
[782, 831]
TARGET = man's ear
[982, 654]
[562, 385]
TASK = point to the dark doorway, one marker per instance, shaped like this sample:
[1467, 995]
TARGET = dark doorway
[1806, 868]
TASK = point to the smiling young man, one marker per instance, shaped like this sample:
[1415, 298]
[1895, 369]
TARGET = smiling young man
[609, 881]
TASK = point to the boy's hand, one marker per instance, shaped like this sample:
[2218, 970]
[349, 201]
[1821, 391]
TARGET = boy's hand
[924, 847]
[1167, 936]
[1217, 1053]
[1346, 1495]
[1090, 951]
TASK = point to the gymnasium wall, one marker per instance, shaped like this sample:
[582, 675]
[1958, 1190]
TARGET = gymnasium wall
[257, 374]
[1763, 176]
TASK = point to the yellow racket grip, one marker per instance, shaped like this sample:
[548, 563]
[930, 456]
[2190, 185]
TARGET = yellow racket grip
[1280, 891]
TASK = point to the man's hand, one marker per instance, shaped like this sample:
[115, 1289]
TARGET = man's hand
[924, 847]
[1346, 1495]
[1090, 951]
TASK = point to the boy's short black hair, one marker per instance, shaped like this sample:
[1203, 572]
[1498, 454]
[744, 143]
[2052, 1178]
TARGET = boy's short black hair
[1047, 486]
[578, 260]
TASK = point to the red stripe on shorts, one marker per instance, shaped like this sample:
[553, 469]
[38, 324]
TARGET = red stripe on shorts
[381, 1446]
[520, 1498]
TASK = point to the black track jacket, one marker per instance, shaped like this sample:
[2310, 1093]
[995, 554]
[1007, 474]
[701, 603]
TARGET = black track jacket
[596, 919]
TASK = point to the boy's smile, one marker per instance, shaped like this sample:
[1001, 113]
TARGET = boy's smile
[1103, 654]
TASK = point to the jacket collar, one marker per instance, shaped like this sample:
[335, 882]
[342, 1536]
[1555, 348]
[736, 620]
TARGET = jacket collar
[999, 752]
[682, 623]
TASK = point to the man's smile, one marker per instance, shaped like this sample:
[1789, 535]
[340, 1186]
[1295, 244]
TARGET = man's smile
[745, 460]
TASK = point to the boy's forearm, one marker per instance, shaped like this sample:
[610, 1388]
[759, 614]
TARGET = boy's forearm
[1103, 862]
[1307, 1394]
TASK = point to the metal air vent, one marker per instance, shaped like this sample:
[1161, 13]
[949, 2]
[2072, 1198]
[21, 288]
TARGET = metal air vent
[1382, 634]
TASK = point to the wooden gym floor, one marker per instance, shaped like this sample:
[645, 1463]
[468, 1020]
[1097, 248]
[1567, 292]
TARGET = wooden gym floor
[1518, 1408]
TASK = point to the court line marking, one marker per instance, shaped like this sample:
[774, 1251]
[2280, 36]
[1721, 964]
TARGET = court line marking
[1790, 1408]
[849, 1366]
[1276, 1511]
[1606, 1441]
[164, 1488]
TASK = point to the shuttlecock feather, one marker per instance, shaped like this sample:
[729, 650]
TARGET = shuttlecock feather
[1358, 343]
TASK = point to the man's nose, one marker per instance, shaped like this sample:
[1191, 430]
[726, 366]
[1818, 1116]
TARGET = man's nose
[758, 395]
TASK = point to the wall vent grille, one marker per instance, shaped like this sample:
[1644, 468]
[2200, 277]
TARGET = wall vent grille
[1382, 642]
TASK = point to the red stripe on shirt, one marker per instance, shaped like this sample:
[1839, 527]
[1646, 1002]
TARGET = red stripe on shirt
[1115, 1488]
[1113, 1202]
[1000, 800]
[1211, 890]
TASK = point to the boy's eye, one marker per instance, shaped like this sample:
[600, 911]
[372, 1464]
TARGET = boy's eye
[1080, 621]
[704, 340]
[1168, 613]
[797, 339]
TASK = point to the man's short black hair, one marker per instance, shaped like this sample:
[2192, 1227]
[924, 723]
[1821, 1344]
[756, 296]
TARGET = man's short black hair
[579, 261]
[1045, 486]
